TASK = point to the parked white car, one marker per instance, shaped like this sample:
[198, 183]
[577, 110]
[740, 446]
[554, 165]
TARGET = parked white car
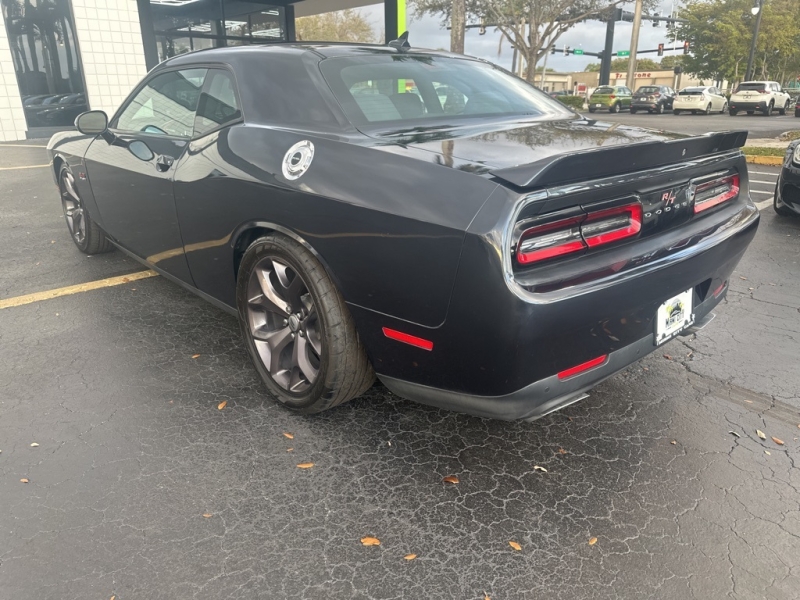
[761, 96]
[703, 99]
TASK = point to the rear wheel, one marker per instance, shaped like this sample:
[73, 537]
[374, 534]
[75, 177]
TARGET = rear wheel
[297, 328]
[732, 112]
[86, 234]
[768, 110]
[591, 110]
[675, 111]
[633, 111]
[724, 109]
[659, 109]
[785, 108]
[751, 112]
[708, 109]
[614, 108]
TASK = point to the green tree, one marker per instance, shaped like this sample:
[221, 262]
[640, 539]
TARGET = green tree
[720, 33]
[341, 26]
[531, 26]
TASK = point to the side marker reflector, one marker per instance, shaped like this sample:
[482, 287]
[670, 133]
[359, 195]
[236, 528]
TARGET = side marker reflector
[581, 368]
[406, 338]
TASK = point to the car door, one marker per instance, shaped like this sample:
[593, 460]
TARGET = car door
[130, 167]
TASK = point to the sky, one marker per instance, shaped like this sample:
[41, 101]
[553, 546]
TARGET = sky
[428, 32]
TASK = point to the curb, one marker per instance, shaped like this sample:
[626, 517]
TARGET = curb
[772, 161]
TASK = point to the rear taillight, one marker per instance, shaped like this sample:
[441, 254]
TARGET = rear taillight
[575, 234]
[711, 193]
[612, 96]
[762, 91]
[657, 94]
[612, 225]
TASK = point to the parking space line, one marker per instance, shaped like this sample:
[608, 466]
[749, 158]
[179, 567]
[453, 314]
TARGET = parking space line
[763, 204]
[761, 192]
[25, 167]
[757, 181]
[75, 289]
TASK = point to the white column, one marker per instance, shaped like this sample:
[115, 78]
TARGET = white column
[110, 42]
[12, 117]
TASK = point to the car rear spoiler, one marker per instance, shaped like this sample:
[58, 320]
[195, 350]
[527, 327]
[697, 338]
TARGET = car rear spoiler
[605, 162]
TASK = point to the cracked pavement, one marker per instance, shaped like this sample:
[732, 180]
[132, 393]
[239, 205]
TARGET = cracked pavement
[133, 452]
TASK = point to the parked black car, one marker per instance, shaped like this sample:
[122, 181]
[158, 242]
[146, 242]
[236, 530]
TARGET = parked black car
[413, 214]
[787, 188]
[653, 99]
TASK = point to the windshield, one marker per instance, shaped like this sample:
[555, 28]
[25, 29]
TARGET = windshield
[751, 87]
[692, 91]
[604, 90]
[381, 90]
[648, 90]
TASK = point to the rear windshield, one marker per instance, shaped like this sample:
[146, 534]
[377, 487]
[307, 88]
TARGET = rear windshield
[651, 89]
[604, 90]
[387, 90]
[751, 87]
[692, 91]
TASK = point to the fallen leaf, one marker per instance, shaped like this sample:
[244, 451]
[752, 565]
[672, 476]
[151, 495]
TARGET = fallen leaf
[734, 433]
[207, 515]
[761, 434]
[515, 545]
[34, 445]
[450, 479]
[23, 480]
[749, 401]
[112, 598]
[742, 278]
[370, 541]
[486, 596]
[538, 468]
[195, 356]
[288, 435]
[289, 449]
[222, 405]
[767, 452]
[410, 556]
[777, 441]
[668, 357]
[305, 465]
[673, 442]
[562, 451]
[593, 541]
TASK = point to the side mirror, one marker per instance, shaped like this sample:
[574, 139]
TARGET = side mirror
[93, 122]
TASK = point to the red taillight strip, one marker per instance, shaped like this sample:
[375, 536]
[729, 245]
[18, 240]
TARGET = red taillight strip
[406, 338]
[583, 367]
[720, 289]
[704, 204]
[550, 240]
[596, 234]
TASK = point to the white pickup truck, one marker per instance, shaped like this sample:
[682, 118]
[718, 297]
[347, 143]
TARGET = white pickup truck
[761, 96]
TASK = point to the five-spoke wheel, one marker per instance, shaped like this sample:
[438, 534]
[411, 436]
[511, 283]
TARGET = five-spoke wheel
[86, 234]
[297, 328]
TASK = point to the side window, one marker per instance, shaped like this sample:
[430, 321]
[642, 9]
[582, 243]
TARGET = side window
[165, 105]
[218, 104]
[776, 87]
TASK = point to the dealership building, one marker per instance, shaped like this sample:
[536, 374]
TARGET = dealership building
[59, 58]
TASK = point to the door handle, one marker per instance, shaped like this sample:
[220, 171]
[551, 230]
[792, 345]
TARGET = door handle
[164, 162]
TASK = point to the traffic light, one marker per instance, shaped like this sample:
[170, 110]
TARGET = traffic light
[655, 20]
[566, 50]
[686, 47]
[661, 49]
[552, 49]
[482, 30]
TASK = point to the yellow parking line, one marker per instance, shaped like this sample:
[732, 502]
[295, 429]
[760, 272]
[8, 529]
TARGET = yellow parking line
[75, 289]
[25, 167]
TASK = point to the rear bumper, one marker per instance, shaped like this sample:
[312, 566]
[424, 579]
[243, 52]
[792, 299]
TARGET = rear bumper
[736, 105]
[547, 395]
[644, 105]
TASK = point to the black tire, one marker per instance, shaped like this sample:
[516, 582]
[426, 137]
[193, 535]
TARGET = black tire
[86, 234]
[694, 112]
[591, 110]
[319, 331]
[751, 112]
[768, 110]
[675, 111]
[633, 111]
[724, 109]
[614, 108]
[796, 113]
[784, 110]
[781, 210]
[732, 112]
[659, 109]
[708, 109]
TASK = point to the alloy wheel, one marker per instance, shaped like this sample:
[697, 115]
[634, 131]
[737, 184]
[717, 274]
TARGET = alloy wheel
[284, 324]
[73, 208]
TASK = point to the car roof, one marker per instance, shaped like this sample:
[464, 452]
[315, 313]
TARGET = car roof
[321, 49]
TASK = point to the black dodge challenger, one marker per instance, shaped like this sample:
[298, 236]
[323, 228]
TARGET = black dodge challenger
[787, 188]
[420, 216]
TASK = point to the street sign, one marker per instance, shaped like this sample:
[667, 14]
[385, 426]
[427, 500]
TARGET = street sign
[624, 53]
[577, 52]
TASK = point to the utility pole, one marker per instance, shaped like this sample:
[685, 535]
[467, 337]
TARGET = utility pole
[544, 69]
[637, 22]
[757, 10]
[605, 62]
[457, 21]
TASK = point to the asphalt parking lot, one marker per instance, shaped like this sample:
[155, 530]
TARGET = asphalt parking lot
[155, 469]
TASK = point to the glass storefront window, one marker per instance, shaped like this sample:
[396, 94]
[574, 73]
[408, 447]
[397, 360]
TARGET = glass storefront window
[181, 27]
[45, 55]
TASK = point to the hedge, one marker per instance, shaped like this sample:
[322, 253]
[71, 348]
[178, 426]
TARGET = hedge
[571, 101]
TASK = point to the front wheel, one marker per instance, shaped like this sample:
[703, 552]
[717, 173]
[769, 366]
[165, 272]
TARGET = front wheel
[86, 234]
[297, 328]
[614, 108]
